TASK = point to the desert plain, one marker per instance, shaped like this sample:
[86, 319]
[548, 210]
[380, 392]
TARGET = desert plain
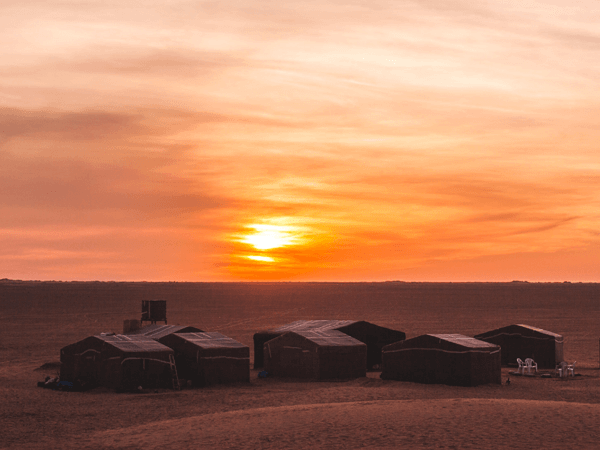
[37, 319]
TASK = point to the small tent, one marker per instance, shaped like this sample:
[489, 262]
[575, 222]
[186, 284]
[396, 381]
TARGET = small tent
[209, 358]
[317, 355]
[157, 332]
[374, 336]
[524, 341]
[451, 359]
[117, 361]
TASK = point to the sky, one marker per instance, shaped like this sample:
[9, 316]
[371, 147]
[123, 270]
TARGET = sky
[246, 140]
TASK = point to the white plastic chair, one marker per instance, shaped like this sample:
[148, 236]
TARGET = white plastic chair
[530, 364]
[521, 368]
[571, 369]
[561, 369]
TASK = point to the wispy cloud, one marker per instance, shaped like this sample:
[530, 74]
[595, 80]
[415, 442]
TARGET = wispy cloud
[400, 137]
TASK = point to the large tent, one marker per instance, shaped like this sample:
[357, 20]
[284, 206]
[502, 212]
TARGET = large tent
[374, 336]
[157, 332]
[451, 359]
[317, 355]
[209, 358]
[524, 341]
[118, 362]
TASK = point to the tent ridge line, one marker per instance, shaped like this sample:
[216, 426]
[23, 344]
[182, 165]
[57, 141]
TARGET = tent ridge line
[522, 335]
[149, 359]
[441, 350]
[224, 357]
[88, 350]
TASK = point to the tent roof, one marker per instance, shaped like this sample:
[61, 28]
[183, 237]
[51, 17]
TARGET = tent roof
[328, 338]
[539, 330]
[156, 331]
[445, 342]
[510, 329]
[316, 325]
[131, 344]
[210, 340]
[463, 341]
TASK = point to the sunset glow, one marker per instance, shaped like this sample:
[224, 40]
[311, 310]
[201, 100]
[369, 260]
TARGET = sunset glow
[266, 237]
[366, 140]
[260, 258]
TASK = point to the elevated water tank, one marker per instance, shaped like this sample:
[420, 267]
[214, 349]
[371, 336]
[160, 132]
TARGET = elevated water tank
[154, 311]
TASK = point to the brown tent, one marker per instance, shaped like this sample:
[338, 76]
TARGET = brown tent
[157, 332]
[451, 359]
[117, 361]
[209, 358]
[524, 341]
[374, 336]
[317, 355]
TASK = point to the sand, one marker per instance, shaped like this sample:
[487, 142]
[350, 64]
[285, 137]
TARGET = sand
[274, 413]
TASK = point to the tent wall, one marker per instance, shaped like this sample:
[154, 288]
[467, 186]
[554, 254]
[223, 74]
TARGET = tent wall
[127, 371]
[428, 360]
[222, 369]
[260, 339]
[486, 368]
[342, 363]
[213, 364]
[374, 336]
[96, 361]
[521, 342]
[80, 360]
[292, 355]
[150, 373]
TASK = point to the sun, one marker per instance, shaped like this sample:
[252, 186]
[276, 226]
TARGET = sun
[260, 258]
[267, 237]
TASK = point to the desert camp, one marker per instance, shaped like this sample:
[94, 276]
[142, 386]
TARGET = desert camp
[209, 358]
[451, 359]
[161, 355]
[375, 337]
[363, 412]
[524, 341]
[316, 355]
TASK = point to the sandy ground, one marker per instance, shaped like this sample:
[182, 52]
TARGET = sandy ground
[36, 321]
[275, 413]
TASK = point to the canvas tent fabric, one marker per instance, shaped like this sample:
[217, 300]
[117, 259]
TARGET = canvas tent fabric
[209, 358]
[525, 341]
[117, 361]
[316, 355]
[451, 359]
[156, 331]
[374, 336]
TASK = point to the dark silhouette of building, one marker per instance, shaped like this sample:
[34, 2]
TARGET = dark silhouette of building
[374, 336]
[209, 358]
[451, 359]
[317, 355]
[524, 341]
[117, 362]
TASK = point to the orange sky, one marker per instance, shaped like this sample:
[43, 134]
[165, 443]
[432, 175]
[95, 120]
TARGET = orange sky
[421, 140]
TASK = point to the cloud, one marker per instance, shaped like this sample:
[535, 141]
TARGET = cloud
[65, 125]
[393, 133]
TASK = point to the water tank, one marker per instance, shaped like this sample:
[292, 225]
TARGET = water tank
[154, 311]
